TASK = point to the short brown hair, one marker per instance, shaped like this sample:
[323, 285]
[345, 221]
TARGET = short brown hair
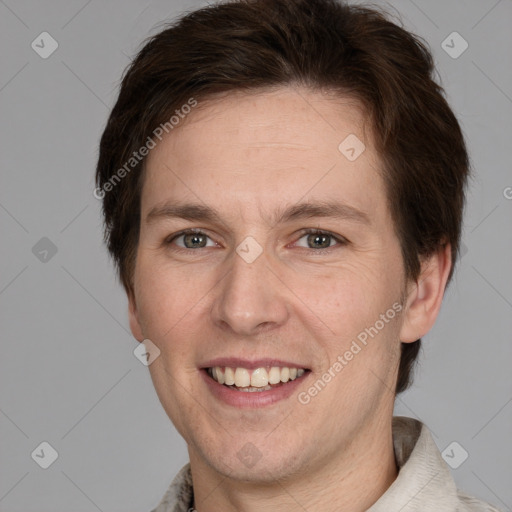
[324, 45]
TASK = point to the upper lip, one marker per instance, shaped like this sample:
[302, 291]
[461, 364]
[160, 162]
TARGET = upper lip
[237, 362]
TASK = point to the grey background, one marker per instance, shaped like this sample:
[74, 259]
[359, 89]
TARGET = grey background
[68, 374]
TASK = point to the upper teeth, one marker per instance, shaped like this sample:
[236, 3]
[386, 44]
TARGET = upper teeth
[260, 377]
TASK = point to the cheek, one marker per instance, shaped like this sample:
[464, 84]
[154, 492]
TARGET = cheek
[347, 297]
[166, 295]
[347, 303]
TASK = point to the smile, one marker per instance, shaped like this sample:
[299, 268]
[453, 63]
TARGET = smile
[258, 379]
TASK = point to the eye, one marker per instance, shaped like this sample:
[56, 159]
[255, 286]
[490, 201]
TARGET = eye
[192, 239]
[317, 239]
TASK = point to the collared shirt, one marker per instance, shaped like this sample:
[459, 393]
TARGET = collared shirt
[424, 482]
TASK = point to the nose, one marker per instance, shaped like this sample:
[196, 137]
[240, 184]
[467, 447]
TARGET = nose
[250, 299]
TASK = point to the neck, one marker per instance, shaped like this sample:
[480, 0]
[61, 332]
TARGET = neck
[351, 481]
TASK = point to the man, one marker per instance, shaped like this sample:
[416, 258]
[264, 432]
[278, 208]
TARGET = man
[283, 186]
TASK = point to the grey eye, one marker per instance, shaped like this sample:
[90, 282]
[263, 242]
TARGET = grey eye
[192, 240]
[318, 240]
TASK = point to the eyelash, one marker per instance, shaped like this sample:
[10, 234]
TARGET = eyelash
[341, 241]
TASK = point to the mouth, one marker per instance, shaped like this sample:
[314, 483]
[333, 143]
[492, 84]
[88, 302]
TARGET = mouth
[255, 380]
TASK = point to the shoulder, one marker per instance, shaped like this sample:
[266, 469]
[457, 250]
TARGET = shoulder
[471, 504]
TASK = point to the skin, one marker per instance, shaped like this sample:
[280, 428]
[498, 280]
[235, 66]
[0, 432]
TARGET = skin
[247, 155]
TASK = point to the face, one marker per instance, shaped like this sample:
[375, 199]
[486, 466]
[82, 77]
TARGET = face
[270, 277]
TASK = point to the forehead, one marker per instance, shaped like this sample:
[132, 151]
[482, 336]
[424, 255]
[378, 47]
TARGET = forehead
[245, 151]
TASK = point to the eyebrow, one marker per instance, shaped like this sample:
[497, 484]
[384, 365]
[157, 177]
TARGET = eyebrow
[203, 213]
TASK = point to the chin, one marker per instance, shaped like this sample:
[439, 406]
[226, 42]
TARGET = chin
[258, 466]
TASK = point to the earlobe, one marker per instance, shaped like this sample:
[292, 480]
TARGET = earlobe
[135, 326]
[426, 295]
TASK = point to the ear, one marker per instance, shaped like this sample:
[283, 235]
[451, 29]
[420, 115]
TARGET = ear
[135, 326]
[425, 295]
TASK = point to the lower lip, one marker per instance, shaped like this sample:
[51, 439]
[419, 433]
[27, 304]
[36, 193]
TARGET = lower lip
[251, 399]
